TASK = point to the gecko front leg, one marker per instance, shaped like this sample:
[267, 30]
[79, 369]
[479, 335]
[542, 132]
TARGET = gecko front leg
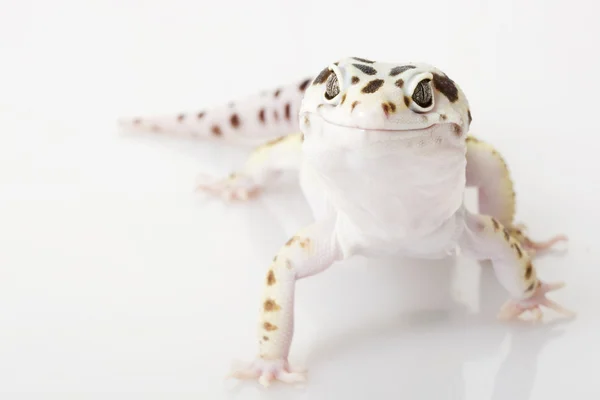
[262, 167]
[487, 170]
[486, 238]
[310, 251]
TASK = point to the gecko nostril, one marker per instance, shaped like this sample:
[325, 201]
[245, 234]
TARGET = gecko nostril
[388, 108]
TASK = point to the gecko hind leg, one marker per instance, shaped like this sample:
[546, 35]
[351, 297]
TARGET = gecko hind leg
[264, 166]
[487, 170]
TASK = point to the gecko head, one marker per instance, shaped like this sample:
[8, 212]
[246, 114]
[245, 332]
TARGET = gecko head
[359, 94]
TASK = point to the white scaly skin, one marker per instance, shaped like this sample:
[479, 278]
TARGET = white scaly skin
[383, 175]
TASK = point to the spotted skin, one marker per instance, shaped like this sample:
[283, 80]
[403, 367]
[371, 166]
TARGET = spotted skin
[374, 98]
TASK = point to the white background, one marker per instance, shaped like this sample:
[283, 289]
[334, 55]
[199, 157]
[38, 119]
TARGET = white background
[118, 281]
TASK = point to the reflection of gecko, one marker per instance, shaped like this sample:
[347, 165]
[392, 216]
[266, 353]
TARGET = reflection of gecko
[384, 158]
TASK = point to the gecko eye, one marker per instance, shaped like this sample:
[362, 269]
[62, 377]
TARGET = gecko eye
[422, 92]
[422, 95]
[332, 86]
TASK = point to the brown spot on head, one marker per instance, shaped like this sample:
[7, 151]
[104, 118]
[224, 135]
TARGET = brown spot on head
[271, 305]
[288, 111]
[322, 77]
[355, 80]
[354, 104]
[366, 69]
[469, 115]
[304, 85]
[201, 114]
[364, 60]
[528, 270]
[343, 98]
[271, 278]
[399, 83]
[269, 327]
[398, 70]
[277, 93]
[386, 109]
[261, 115]
[372, 86]
[265, 338]
[443, 117]
[406, 101]
[446, 86]
[235, 120]
[180, 117]
[216, 130]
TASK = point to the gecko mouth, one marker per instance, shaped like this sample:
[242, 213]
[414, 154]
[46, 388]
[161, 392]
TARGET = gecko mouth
[423, 124]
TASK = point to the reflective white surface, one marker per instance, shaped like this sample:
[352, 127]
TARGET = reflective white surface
[118, 281]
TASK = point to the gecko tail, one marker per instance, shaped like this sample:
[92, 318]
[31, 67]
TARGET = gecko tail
[251, 120]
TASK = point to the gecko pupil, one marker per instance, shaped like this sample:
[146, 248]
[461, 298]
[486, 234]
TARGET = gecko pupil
[332, 87]
[422, 94]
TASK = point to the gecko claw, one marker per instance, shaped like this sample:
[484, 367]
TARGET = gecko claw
[267, 371]
[531, 246]
[512, 309]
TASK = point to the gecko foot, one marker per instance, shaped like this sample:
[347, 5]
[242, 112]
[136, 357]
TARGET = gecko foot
[512, 309]
[234, 187]
[267, 371]
[532, 246]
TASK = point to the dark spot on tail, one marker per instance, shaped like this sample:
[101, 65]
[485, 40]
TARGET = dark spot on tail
[446, 86]
[277, 93]
[216, 130]
[304, 85]
[366, 69]
[201, 114]
[288, 111]
[180, 117]
[261, 115]
[364, 60]
[372, 86]
[235, 120]
[398, 70]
